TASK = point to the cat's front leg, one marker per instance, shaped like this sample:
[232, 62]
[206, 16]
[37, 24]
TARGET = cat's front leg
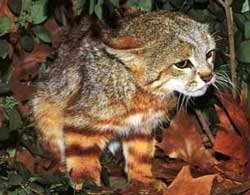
[139, 151]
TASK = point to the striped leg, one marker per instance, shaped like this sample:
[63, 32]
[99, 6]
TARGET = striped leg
[83, 150]
[138, 152]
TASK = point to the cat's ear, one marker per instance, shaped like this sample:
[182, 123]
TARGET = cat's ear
[123, 43]
[126, 49]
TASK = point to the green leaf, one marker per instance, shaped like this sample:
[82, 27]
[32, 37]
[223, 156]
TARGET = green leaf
[4, 88]
[38, 11]
[14, 178]
[42, 33]
[245, 6]
[116, 3]
[91, 6]
[15, 120]
[15, 6]
[27, 43]
[4, 133]
[4, 46]
[144, 4]
[247, 30]
[27, 4]
[177, 3]
[79, 6]
[98, 9]
[4, 25]
[240, 20]
[244, 51]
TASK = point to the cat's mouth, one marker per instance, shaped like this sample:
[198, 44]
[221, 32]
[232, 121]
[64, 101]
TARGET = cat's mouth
[198, 92]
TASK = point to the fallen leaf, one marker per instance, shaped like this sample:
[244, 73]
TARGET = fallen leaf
[225, 123]
[235, 113]
[55, 30]
[233, 146]
[167, 170]
[238, 149]
[185, 184]
[43, 166]
[182, 140]
[25, 70]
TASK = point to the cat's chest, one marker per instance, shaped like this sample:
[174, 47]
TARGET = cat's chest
[145, 114]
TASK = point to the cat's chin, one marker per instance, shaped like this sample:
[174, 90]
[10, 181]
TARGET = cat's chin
[197, 93]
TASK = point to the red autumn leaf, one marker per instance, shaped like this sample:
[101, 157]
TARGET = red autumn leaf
[225, 123]
[235, 113]
[233, 146]
[44, 165]
[25, 69]
[55, 31]
[185, 184]
[167, 170]
[182, 140]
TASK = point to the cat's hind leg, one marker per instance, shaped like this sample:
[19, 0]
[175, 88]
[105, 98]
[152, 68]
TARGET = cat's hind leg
[82, 153]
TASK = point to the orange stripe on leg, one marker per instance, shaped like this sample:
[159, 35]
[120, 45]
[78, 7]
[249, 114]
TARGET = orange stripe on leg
[83, 150]
[139, 152]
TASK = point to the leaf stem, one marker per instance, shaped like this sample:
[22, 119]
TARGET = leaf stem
[227, 5]
[205, 125]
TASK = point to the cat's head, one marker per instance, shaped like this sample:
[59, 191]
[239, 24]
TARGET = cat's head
[166, 52]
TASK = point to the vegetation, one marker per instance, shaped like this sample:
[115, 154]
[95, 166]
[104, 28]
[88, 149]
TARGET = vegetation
[30, 32]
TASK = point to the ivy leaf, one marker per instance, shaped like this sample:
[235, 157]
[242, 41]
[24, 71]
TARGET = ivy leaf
[38, 11]
[42, 33]
[244, 51]
[91, 7]
[4, 133]
[15, 120]
[247, 30]
[144, 4]
[79, 6]
[4, 25]
[4, 46]
[116, 3]
[27, 43]
[15, 6]
[4, 87]
[98, 9]
[14, 178]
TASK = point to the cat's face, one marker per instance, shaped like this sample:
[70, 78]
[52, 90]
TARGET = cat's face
[175, 53]
[191, 70]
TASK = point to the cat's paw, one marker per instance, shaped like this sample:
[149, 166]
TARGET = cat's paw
[151, 186]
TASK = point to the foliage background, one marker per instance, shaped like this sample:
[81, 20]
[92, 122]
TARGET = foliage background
[30, 31]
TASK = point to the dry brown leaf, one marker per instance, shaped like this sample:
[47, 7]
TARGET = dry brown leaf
[235, 113]
[225, 123]
[232, 145]
[238, 149]
[25, 69]
[185, 184]
[182, 140]
[44, 166]
[55, 31]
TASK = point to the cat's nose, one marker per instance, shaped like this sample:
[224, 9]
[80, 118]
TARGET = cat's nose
[207, 77]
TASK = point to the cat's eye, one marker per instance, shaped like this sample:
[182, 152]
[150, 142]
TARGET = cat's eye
[183, 64]
[210, 55]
